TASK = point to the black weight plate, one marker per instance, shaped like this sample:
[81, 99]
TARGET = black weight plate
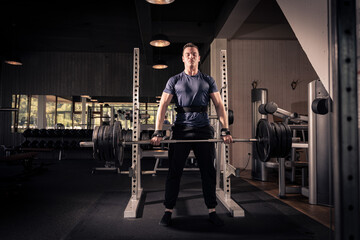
[262, 147]
[277, 142]
[95, 137]
[284, 133]
[101, 143]
[119, 150]
[111, 143]
[106, 144]
[288, 144]
[265, 134]
[115, 132]
[289, 140]
[144, 135]
[123, 134]
[128, 137]
[283, 140]
[230, 117]
[118, 139]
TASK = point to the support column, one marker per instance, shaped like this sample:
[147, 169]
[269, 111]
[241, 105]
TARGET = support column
[135, 170]
[215, 71]
[83, 112]
[223, 156]
[346, 129]
[42, 111]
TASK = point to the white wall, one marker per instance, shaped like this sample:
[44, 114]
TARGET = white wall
[309, 21]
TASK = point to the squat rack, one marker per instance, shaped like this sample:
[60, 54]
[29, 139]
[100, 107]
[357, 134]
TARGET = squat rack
[223, 151]
[135, 170]
[222, 159]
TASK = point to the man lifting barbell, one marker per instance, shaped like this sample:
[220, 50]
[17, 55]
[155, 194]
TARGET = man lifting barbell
[192, 90]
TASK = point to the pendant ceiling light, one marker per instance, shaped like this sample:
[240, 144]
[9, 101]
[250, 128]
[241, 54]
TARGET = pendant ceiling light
[159, 40]
[160, 64]
[13, 61]
[160, 2]
[12, 57]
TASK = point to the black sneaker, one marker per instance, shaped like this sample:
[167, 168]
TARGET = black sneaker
[214, 219]
[166, 219]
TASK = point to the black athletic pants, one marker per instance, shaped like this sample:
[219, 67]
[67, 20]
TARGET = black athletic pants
[204, 153]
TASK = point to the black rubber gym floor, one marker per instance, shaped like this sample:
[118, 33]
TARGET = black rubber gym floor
[68, 202]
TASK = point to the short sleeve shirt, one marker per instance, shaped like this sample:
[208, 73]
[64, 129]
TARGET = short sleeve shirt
[191, 91]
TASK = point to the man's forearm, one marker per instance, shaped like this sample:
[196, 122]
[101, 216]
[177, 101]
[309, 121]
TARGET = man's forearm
[220, 110]
[160, 117]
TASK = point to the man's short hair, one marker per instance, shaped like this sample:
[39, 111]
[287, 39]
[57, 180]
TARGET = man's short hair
[190, 45]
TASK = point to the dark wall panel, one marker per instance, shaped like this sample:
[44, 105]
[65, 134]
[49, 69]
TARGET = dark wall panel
[96, 74]
[73, 74]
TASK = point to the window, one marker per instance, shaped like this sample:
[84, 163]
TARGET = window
[64, 112]
[34, 105]
[22, 114]
[50, 111]
[77, 115]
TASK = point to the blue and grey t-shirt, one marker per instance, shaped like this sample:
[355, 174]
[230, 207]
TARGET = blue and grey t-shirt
[191, 91]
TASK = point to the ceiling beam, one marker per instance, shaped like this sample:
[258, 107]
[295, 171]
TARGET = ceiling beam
[145, 24]
[185, 31]
[235, 18]
[219, 23]
[223, 15]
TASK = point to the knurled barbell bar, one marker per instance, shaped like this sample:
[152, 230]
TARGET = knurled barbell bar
[272, 140]
[192, 141]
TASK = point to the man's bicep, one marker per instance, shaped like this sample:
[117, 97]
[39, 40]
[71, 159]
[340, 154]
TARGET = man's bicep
[216, 98]
[166, 98]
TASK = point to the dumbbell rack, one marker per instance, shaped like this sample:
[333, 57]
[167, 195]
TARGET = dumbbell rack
[50, 140]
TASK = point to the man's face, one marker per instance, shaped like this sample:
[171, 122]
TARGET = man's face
[191, 56]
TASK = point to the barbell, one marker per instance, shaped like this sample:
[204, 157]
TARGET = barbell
[273, 140]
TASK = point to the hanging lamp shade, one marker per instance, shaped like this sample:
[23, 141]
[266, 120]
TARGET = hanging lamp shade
[160, 2]
[160, 64]
[159, 40]
[12, 56]
[13, 60]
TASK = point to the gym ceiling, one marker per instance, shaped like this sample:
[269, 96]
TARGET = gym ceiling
[119, 26]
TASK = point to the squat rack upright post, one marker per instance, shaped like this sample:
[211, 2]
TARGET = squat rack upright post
[223, 153]
[136, 189]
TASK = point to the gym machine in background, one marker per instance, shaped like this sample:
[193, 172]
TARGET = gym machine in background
[320, 165]
[258, 97]
[297, 125]
[315, 129]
